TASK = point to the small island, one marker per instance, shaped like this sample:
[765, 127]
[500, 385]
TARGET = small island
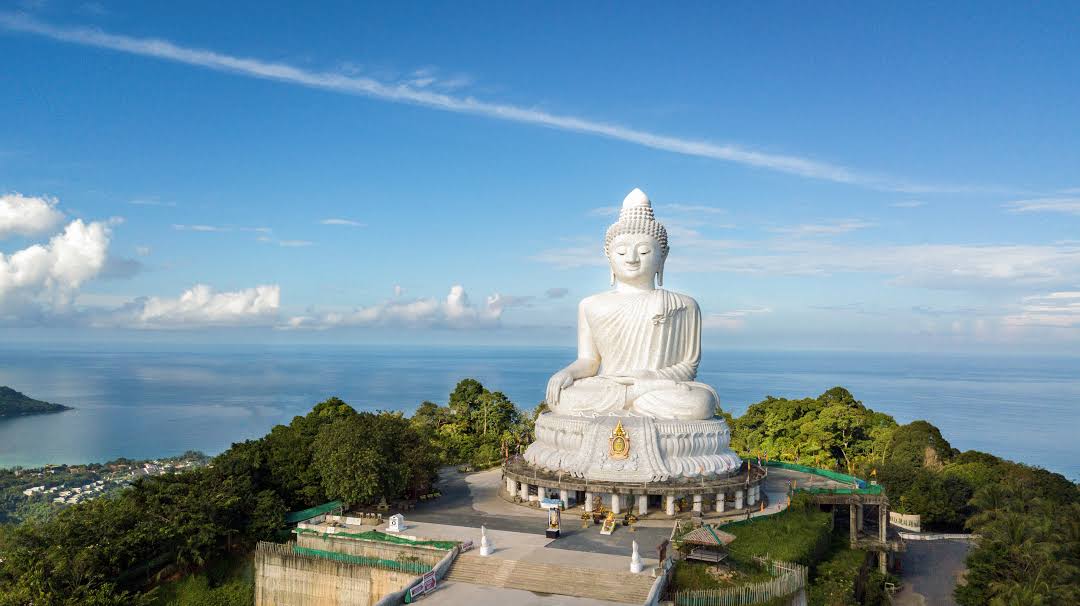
[16, 404]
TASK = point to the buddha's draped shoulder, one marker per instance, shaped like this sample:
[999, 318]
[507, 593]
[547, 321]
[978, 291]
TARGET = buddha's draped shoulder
[651, 330]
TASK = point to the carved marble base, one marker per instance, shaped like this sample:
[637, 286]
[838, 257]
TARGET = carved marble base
[658, 450]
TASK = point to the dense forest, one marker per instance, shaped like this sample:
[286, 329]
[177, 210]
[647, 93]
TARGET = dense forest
[119, 550]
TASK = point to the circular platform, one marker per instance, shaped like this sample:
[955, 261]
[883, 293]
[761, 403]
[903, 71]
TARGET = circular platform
[632, 449]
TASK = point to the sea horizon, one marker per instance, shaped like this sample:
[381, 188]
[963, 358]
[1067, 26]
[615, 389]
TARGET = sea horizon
[141, 400]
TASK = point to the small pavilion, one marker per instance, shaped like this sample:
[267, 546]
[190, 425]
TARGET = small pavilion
[708, 543]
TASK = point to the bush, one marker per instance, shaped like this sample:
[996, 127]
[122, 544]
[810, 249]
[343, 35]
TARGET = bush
[835, 579]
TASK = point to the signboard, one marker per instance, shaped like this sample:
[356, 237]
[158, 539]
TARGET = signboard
[426, 584]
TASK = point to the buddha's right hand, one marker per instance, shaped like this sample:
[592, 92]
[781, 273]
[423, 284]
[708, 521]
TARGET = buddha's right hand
[558, 382]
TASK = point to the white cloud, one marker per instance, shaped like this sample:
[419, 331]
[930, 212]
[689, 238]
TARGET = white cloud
[27, 215]
[696, 209]
[346, 222]
[824, 229]
[294, 243]
[455, 311]
[199, 307]
[1057, 309]
[965, 267]
[557, 293]
[411, 94]
[732, 320]
[908, 204]
[1052, 205]
[50, 275]
[150, 202]
[143, 251]
[203, 228]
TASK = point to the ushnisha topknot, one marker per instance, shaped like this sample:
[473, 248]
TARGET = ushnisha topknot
[636, 217]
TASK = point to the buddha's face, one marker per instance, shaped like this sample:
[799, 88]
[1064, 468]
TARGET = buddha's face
[635, 259]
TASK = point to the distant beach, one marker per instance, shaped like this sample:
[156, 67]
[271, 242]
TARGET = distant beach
[160, 401]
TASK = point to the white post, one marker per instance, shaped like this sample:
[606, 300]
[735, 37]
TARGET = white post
[564, 496]
[588, 502]
[642, 504]
[511, 486]
[697, 503]
[738, 499]
[616, 504]
[669, 505]
[524, 492]
[485, 546]
[719, 502]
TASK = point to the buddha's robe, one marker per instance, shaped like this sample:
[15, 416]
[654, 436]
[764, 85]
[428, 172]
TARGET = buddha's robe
[658, 331]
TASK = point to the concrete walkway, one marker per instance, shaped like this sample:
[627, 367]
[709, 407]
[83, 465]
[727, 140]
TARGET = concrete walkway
[529, 547]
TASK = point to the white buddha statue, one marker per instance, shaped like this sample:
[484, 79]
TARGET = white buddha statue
[638, 344]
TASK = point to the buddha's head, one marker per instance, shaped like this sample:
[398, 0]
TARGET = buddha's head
[637, 244]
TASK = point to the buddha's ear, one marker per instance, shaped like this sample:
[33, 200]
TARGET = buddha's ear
[612, 277]
[660, 277]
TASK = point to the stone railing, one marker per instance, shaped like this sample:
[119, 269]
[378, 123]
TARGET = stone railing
[907, 521]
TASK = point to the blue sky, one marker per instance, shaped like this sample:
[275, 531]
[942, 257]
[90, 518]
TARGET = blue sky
[888, 177]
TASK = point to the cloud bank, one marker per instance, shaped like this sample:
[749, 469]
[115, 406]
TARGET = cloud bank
[455, 311]
[199, 307]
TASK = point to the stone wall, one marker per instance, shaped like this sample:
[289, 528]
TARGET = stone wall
[283, 578]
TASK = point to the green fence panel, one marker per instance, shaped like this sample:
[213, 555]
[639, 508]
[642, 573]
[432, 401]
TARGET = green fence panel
[409, 567]
[307, 514]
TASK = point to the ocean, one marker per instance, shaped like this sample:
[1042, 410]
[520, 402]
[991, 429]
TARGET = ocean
[145, 402]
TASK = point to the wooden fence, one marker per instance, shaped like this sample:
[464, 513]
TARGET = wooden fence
[787, 580]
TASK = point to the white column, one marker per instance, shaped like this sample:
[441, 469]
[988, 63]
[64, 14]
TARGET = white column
[738, 499]
[669, 505]
[750, 496]
[588, 502]
[719, 502]
[697, 503]
[642, 504]
[511, 486]
[616, 504]
[564, 496]
[524, 492]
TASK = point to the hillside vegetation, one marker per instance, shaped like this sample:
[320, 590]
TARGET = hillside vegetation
[16, 404]
[1027, 516]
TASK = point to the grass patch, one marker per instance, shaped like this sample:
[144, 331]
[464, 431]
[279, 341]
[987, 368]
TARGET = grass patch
[801, 534]
[693, 576]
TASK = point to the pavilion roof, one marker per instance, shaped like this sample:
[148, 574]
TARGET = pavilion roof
[708, 536]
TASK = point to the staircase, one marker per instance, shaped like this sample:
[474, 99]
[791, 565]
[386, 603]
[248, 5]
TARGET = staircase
[614, 586]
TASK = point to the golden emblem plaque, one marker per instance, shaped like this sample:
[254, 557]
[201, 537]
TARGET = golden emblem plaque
[618, 443]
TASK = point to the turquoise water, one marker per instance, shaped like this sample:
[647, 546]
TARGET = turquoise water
[153, 402]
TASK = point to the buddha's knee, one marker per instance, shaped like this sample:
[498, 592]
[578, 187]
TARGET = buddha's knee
[702, 403]
[683, 403]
